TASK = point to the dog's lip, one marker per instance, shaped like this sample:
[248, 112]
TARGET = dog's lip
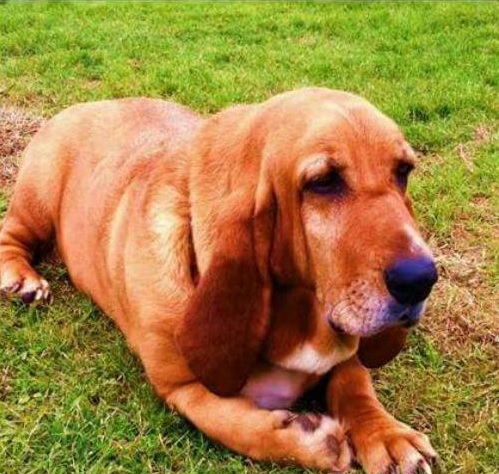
[405, 323]
[405, 320]
[410, 324]
[406, 316]
[337, 329]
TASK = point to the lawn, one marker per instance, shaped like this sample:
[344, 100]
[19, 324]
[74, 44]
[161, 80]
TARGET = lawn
[72, 397]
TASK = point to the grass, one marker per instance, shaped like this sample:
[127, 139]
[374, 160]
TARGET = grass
[72, 398]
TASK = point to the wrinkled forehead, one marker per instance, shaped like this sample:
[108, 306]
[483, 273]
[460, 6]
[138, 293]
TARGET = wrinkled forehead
[352, 132]
[352, 136]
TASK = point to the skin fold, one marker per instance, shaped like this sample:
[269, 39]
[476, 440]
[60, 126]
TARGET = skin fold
[242, 255]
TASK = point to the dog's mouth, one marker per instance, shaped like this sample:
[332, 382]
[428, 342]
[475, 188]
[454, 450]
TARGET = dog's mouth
[407, 321]
[406, 315]
[337, 329]
[386, 315]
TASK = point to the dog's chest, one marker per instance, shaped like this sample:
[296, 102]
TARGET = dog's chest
[279, 386]
[272, 387]
[306, 358]
[319, 356]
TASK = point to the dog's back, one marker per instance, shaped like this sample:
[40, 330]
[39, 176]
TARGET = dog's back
[84, 171]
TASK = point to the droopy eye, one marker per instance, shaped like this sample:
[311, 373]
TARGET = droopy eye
[402, 174]
[331, 183]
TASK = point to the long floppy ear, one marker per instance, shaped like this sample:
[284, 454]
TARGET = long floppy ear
[378, 350]
[232, 218]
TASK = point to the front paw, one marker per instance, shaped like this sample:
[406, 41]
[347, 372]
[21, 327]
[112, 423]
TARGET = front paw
[32, 289]
[387, 446]
[313, 440]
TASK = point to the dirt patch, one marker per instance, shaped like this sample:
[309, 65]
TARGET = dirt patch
[16, 128]
[482, 134]
[464, 305]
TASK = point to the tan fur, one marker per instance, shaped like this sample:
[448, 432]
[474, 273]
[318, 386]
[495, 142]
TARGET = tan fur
[199, 239]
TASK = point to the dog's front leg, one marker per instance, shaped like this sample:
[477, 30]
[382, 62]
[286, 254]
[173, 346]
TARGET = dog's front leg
[382, 444]
[309, 440]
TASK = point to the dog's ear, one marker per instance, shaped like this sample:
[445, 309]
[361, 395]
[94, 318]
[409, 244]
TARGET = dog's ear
[378, 350]
[232, 218]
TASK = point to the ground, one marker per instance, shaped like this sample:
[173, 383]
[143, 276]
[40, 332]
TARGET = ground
[72, 397]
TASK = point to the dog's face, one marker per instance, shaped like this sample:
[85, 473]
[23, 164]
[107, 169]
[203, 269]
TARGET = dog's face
[307, 190]
[347, 165]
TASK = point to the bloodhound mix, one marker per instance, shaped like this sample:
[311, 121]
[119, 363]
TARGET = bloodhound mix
[245, 256]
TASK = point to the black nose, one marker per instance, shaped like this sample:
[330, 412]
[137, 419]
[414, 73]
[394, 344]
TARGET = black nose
[410, 280]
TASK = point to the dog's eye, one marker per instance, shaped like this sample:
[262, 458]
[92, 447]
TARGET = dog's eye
[402, 174]
[332, 183]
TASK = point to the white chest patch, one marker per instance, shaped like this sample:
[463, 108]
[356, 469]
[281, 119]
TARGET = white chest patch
[305, 358]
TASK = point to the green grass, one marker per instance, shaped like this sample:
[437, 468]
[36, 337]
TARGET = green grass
[73, 399]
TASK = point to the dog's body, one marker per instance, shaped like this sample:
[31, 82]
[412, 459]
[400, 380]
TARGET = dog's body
[206, 241]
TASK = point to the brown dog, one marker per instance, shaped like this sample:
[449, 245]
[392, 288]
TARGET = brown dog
[244, 256]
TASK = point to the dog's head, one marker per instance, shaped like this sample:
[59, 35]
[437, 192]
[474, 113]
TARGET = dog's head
[305, 190]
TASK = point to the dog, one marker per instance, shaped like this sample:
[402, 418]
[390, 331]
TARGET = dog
[245, 256]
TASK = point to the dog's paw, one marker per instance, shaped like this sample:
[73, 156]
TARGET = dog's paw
[314, 440]
[31, 289]
[393, 448]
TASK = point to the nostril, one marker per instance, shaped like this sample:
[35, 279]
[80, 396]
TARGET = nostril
[410, 281]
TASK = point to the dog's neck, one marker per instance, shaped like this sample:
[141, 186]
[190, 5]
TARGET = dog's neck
[300, 339]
